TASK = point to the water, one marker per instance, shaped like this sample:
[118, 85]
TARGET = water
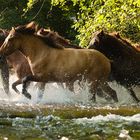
[63, 115]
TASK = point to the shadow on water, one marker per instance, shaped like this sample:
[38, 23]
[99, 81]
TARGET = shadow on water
[64, 115]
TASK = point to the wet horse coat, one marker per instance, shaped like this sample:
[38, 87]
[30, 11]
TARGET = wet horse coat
[125, 59]
[51, 64]
[17, 61]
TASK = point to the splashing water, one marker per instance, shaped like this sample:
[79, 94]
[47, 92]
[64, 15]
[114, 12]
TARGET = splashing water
[20, 125]
[56, 94]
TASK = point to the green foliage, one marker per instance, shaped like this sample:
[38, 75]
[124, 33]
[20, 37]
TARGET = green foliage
[109, 15]
[50, 16]
[78, 18]
[11, 13]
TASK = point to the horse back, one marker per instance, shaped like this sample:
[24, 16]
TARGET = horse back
[68, 63]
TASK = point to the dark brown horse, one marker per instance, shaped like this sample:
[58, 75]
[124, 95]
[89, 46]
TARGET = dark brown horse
[4, 66]
[125, 59]
[5, 74]
[127, 42]
[52, 64]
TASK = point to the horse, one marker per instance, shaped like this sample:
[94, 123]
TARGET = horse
[127, 42]
[55, 64]
[5, 74]
[19, 64]
[4, 67]
[125, 59]
[56, 38]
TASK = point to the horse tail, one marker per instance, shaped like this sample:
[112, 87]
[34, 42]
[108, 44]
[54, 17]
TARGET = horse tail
[4, 73]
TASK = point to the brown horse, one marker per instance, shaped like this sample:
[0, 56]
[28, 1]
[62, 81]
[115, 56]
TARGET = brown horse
[126, 59]
[52, 64]
[17, 61]
[127, 42]
[20, 64]
[56, 38]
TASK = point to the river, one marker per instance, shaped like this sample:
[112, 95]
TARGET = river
[63, 115]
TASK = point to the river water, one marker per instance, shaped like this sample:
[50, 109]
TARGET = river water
[63, 115]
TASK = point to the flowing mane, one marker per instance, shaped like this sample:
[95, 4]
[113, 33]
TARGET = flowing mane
[127, 41]
[125, 68]
[58, 39]
[24, 29]
[118, 45]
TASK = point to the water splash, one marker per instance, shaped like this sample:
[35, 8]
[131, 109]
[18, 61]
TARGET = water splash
[56, 94]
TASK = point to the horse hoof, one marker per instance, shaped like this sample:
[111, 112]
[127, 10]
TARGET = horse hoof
[27, 95]
[116, 99]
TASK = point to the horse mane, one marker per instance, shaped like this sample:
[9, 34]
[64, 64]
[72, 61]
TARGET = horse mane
[121, 44]
[58, 39]
[23, 30]
[27, 30]
[65, 42]
[127, 41]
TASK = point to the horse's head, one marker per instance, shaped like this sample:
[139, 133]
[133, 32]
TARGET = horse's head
[11, 43]
[14, 40]
[108, 44]
[97, 41]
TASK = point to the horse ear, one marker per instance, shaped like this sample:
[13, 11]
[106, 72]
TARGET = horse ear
[13, 28]
[31, 25]
[102, 32]
[118, 35]
[37, 28]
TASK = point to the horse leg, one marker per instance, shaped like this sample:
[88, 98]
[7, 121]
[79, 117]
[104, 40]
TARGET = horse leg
[61, 85]
[132, 93]
[112, 93]
[93, 90]
[70, 86]
[41, 86]
[18, 82]
[101, 94]
[25, 84]
[5, 74]
[15, 84]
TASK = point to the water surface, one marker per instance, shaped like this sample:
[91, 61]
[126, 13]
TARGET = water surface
[63, 115]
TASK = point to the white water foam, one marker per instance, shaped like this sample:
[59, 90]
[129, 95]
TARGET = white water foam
[120, 122]
[107, 118]
[56, 94]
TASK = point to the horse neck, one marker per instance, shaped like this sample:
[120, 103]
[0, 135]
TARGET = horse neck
[32, 47]
[118, 46]
[131, 46]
